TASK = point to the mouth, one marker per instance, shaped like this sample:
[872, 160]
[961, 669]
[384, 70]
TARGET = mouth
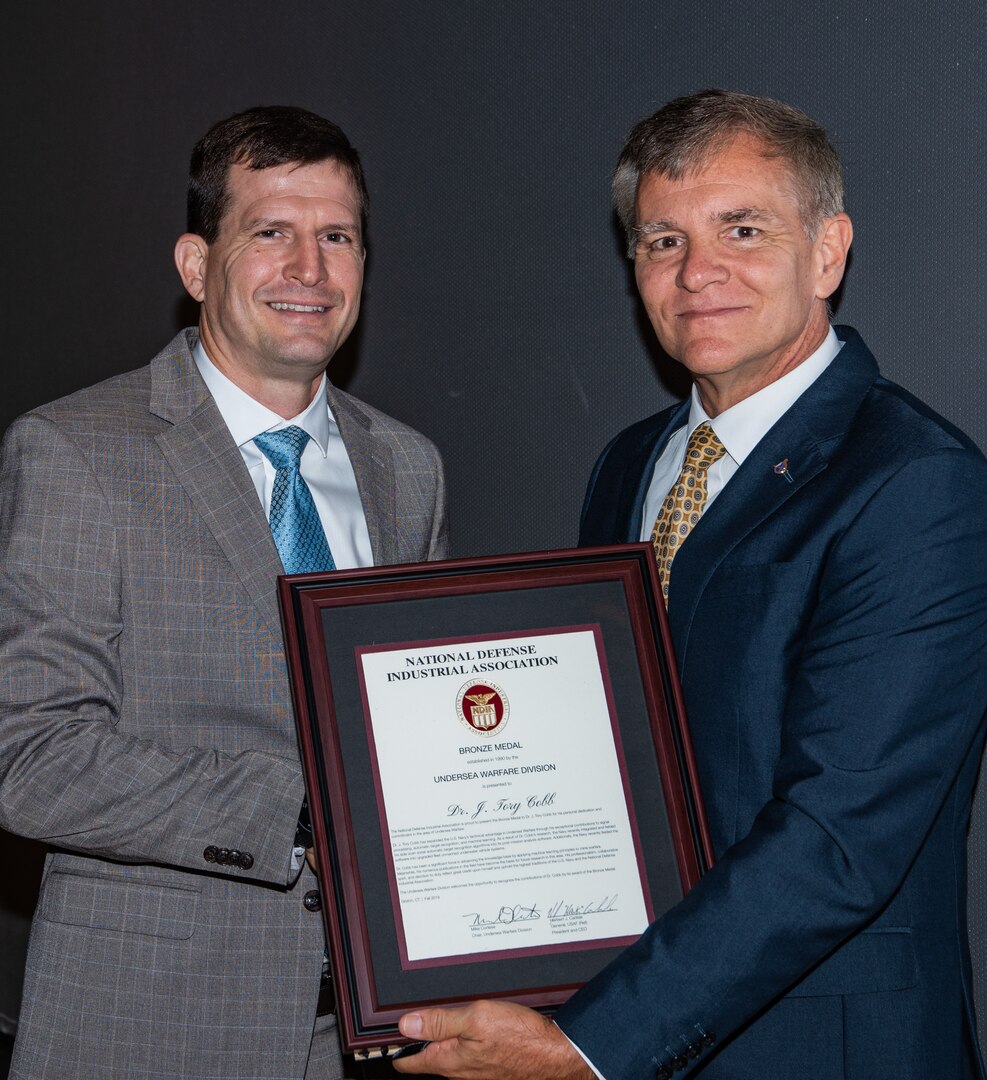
[305, 309]
[708, 313]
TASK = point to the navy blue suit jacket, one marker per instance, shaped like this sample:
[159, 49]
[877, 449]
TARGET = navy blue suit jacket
[830, 627]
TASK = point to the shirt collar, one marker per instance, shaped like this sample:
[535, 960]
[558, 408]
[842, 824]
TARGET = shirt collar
[246, 417]
[741, 427]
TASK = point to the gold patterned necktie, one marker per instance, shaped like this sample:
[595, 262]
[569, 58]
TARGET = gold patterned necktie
[684, 504]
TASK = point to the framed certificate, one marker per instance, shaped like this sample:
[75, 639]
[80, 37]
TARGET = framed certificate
[502, 788]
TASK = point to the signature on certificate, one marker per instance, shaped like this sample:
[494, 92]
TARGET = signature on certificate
[508, 914]
[564, 909]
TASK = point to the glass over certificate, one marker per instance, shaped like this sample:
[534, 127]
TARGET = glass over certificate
[502, 788]
[504, 797]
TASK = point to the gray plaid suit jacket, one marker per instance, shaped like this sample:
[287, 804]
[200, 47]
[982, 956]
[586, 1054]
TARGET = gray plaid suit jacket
[145, 715]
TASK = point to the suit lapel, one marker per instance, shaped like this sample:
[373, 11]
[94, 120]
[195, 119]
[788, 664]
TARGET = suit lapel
[208, 465]
[754, 493]
[634, 463]
[373, 466]
[678, 416]
[804, 439]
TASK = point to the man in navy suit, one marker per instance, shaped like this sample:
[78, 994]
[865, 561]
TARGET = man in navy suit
[821, 537]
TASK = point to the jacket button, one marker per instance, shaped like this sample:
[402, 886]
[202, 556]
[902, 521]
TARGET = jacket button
[708, 1039]
[210, 853]
[223, 856]
[312, 900]
[678, 1062]
[246, 860]
[234, 857]
[663, 1072]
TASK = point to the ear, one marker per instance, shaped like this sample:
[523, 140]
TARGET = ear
[832, 248]
[191, 255]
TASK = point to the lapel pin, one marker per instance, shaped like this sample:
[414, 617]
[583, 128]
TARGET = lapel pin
[781, 469]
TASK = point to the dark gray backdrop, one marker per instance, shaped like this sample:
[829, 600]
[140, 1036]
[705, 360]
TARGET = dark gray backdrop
[499, 314]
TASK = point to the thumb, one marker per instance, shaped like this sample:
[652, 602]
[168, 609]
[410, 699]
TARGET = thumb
[432, 1025]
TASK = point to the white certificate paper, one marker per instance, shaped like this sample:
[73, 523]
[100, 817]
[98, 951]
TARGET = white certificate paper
[502, 790]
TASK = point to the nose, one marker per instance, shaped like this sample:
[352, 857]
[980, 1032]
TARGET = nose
[306, 263]
[700, 266]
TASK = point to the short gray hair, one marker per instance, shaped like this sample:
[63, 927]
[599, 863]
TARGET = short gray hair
[682, 136]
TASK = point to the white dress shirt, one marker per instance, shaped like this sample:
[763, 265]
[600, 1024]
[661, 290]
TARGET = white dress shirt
[325, 465]
[740, 428]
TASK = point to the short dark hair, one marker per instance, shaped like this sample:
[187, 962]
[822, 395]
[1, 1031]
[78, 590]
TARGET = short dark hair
[683, 135]
[262, 138]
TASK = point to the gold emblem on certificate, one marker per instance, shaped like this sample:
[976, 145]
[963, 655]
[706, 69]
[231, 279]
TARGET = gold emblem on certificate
[483, 708]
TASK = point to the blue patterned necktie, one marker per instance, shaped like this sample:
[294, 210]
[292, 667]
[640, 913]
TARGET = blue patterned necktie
[298, 533]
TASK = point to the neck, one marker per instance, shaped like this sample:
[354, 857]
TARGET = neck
[287, 399]
[287, 404]
[287, 395]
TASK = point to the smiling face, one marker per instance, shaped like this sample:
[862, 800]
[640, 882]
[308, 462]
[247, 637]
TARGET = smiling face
[733, 284]
[280, 286]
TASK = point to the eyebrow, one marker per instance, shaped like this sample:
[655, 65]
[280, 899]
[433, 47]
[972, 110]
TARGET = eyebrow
[744, 213]
[654, 227]
[284, 223]
[727, 217]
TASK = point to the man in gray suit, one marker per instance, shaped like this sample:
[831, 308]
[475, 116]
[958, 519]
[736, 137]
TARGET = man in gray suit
[146, 730]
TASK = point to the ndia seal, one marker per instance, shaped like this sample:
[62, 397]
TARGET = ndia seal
[483, 708]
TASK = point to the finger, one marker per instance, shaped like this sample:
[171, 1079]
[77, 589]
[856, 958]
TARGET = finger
[426, 1062]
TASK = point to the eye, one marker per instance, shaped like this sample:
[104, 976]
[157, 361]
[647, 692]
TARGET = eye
[336, 237]
[268, 234]
[656, 246]
[745, 232]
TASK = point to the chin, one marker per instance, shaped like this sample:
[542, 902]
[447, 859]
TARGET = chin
[308, 353]
[709, 359]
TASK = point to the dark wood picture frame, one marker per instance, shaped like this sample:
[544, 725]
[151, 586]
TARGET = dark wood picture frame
[330, 619]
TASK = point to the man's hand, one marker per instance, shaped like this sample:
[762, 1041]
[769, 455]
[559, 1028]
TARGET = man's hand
[310, 859]
[490, 1040]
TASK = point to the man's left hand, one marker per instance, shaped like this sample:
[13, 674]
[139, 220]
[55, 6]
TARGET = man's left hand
[490, 1040]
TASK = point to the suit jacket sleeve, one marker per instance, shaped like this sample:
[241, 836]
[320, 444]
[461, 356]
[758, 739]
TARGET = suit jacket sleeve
[438, 541]
[884, 709]
[68, 774]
